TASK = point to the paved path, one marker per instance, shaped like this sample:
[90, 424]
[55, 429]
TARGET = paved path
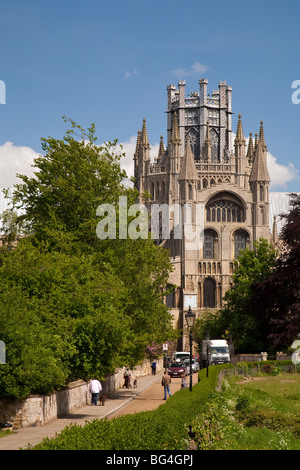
[148, 395]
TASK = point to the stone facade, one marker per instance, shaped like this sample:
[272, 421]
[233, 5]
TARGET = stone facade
[222, 187]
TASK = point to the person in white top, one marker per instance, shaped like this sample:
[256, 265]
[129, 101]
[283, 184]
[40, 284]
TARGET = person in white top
[95, 388]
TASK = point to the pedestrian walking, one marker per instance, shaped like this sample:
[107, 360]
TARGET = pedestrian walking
[153, 367]
[95, 388]
[127, 377]
[184, 383]
[166, 381]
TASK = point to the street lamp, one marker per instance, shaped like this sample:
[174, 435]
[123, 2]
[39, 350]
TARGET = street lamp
[190, 319]
[207, 339]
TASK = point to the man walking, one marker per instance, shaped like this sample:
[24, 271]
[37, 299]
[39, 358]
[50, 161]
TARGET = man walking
[166, 381]
[95, 388]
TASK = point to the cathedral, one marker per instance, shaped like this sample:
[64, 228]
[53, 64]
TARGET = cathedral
[201, 166]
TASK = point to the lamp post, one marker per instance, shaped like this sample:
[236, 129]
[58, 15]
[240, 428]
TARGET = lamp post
[207, 338]
[190, 319]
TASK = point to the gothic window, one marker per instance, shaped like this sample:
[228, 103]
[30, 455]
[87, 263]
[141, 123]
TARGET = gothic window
[240, 242]
[224, 211]
[214, 145]
[152, 190]
[170, 296]
[209, 244]
[261, 216]
[209, 300]
[193, 136]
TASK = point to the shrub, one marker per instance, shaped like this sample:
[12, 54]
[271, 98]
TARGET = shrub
[165, 428]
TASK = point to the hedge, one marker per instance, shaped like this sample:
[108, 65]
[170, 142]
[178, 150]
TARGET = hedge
[165, 428]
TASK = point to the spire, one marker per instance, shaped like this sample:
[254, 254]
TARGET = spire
[260, 170]
[250, 150]
[255, 144]
[175, 130]
[138, 143]
[188, 170]
[161, 150]
[144, 137]
[262, 136]
[240, 133]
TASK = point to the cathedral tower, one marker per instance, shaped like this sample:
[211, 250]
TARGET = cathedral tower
[220, 183]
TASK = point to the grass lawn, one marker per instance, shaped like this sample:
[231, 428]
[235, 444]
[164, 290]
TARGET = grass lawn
[262, 413]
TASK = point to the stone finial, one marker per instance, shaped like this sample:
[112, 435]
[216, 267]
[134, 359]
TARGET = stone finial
[144, 137]
[240, 133]
[161, 150]
[262, 136]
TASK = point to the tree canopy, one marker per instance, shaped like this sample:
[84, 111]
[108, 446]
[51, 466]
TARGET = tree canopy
[73, 305]
[276, 300]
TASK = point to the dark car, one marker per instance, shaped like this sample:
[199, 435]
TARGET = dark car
[177, 369]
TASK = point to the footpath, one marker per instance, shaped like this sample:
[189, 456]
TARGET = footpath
[148, 395]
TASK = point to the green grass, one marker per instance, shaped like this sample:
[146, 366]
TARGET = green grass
[258, 414]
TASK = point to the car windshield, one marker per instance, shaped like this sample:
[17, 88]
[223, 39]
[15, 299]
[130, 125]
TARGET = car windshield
[177, 364]
[221, 350]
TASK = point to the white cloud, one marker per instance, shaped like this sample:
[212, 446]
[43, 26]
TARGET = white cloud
[131, 74]
[280, 174]
[196, 68]
[15, 159]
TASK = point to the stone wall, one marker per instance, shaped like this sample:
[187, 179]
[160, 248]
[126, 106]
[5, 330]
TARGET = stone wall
[38, 410]
[234, 358]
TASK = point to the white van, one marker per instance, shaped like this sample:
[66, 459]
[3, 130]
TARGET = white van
[180, 355]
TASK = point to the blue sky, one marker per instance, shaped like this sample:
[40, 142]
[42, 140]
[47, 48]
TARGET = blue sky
[110, 63]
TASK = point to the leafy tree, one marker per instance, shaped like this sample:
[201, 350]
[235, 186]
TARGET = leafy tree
[276, 300]
[252, 267]
[99, 300]
[72, 178]
[208, 322]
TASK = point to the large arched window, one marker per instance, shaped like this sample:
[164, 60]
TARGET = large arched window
[209, 244]
[225, 208]
[209, 294]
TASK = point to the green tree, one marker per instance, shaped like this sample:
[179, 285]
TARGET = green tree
[276, 300]
[100, 299]
[251, 267]
[72, 178]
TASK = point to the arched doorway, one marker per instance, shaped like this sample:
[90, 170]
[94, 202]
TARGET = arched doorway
[209, 293]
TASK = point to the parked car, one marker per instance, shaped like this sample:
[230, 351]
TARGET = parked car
[177, 369]
[195, 365]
